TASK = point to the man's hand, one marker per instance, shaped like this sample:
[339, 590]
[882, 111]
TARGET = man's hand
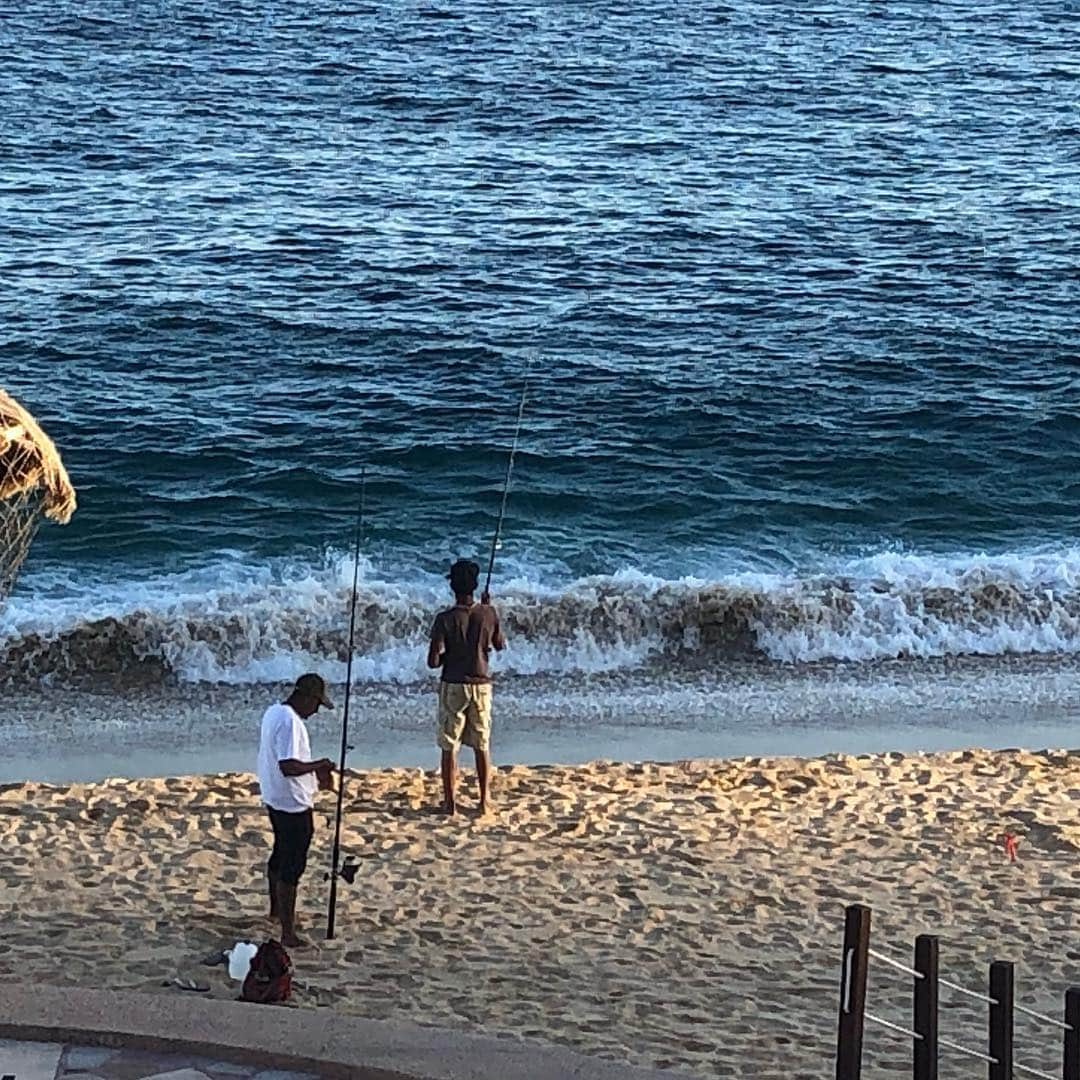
[325, 775]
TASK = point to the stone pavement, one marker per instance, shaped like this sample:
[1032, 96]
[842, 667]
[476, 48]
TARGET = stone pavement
[188, 1038]
[52, 1061]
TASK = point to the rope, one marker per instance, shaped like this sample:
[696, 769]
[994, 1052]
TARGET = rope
[896, 964]
[1044, 1019]
[1033, 1072]
[965, 990]
[20, 516]
[970, 1053]
[892, 1027]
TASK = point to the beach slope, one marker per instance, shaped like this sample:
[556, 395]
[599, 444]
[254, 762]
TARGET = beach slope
[684, 915]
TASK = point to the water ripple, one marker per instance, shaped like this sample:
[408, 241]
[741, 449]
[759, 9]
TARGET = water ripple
[790, 279]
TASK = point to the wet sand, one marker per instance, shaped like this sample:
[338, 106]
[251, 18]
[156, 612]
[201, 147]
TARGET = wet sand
[684, 915]
[64, 734]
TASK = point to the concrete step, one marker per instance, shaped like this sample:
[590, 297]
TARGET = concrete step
[29, 1060]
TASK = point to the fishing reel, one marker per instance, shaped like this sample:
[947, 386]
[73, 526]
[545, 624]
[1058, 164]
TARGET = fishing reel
[347, 871]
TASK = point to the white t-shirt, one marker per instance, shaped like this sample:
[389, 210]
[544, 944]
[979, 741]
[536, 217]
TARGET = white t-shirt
[285, 736]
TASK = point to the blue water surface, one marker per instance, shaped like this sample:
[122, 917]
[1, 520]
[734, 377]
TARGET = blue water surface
[786, 280]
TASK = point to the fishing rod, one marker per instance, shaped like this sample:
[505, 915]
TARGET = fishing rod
[506, 486]
[347, 872]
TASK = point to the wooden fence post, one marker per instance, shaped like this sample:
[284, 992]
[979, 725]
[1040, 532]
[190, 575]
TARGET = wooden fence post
[1070, 1067]
[1001, 1020]
[853, 972]
[926, 1008]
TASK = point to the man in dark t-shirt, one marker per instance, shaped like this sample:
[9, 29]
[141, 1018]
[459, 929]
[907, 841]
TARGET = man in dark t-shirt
[462, 638]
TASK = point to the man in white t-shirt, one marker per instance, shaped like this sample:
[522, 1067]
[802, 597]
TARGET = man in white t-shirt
[288, 780]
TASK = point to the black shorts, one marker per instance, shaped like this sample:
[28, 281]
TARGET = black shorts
[292, 838]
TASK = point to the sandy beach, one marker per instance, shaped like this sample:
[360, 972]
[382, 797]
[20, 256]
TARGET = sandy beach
[684, 915]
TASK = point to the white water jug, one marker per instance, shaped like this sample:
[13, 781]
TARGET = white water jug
[240, 959]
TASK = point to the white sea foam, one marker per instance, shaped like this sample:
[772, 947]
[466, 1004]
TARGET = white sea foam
[892, 605]
[232, 621]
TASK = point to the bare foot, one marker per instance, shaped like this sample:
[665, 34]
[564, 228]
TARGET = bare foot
[449, 809]
[486, 810]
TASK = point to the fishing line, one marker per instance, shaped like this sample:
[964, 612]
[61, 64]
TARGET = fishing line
[348, 872]
[506, 486]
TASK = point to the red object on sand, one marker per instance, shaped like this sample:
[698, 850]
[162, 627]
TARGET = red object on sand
[1010, 846]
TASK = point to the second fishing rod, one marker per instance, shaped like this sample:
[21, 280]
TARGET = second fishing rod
[348, 871]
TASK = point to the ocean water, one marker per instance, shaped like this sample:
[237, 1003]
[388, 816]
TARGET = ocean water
[792, 288]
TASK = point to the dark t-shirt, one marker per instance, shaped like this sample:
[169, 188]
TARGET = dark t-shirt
[466, 636]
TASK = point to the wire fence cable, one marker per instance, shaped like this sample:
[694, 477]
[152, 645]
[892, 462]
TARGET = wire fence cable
[1033, 1072]
[970, 993]
[967, 1050]
[891, 1026]
[1045, 1019]
[895, 964]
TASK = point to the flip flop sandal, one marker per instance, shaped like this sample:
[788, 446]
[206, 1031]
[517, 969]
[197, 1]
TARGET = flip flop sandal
[187, 984]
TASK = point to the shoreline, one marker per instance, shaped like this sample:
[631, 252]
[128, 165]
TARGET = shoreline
[679, 915]
[69, 735]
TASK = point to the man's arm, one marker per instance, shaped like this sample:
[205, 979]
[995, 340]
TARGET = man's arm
[286, 746]
[292, 767]
[498, 642]
[436, 647]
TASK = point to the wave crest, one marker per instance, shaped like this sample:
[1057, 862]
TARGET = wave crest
[264, 625]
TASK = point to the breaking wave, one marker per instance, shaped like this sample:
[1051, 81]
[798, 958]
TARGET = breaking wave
[238, 623]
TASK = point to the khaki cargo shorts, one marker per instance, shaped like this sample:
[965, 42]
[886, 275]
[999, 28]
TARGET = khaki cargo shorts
[464, 716]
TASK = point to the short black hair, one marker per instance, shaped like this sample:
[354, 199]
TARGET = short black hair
[464, 577]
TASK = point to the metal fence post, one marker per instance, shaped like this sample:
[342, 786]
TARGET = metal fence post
[1070, 1066]
[853, 972]
[1001, 1021]
[926, 1008]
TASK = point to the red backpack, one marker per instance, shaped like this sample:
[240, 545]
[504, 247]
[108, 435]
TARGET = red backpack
[269, 979]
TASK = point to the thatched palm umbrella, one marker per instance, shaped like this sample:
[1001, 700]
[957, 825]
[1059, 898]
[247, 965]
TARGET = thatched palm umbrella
[33, 484]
